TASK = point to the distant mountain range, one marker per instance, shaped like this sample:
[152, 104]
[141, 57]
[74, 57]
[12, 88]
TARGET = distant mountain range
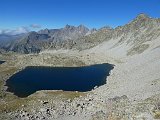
[43, 39]
[136, 32]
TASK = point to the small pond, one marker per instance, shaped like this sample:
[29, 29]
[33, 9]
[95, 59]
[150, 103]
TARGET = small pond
[82, 79]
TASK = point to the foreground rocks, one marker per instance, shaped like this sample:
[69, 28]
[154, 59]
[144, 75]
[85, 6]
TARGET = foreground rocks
[90, 108]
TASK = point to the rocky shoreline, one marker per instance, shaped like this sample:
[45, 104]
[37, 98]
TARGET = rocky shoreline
[97, 104]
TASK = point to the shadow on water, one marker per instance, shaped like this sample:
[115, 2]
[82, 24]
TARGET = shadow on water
[32, 79]
[1, 62]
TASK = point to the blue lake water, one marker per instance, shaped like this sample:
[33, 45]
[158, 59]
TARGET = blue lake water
[32, 79]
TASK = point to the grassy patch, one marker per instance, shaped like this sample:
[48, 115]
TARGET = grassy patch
[57, 94]
[13, 105]
[72, 95]
[1, 83]
[137, 49]
[2, 94]
[156, 114]
[5, 71]
[118, 61]
[9, 70]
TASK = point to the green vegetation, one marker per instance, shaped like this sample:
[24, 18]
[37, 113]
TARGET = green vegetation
[62, 95]
[156, 114]
[13, 103]
[137, 49]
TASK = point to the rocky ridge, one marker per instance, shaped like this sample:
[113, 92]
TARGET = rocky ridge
[34, 42]
[137, 32]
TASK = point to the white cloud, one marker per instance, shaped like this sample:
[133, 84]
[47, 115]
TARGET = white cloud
[35, 26]
[19, 30]
[14, 32]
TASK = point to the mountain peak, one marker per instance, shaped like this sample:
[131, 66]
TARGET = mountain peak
[106, 28]
[82, 26]
[68, 26]
[141, 20]
[142, 16]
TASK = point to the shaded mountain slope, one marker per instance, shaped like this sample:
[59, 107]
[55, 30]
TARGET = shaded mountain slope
[34, 42]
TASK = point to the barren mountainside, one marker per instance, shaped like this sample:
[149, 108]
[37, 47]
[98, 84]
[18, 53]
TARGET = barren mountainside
[137, 35]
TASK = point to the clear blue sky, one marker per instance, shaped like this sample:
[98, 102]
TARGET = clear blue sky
[57, 13]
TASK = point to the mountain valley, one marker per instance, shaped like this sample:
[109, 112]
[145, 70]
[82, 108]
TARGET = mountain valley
[132, 91]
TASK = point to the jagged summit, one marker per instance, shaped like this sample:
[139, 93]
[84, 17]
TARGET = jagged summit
[80, 37]
[44, 31]
[106, 28]
[68, 27]
[82, 26]
[142, 16]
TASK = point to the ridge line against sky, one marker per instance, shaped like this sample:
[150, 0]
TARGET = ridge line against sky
[40, 14]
